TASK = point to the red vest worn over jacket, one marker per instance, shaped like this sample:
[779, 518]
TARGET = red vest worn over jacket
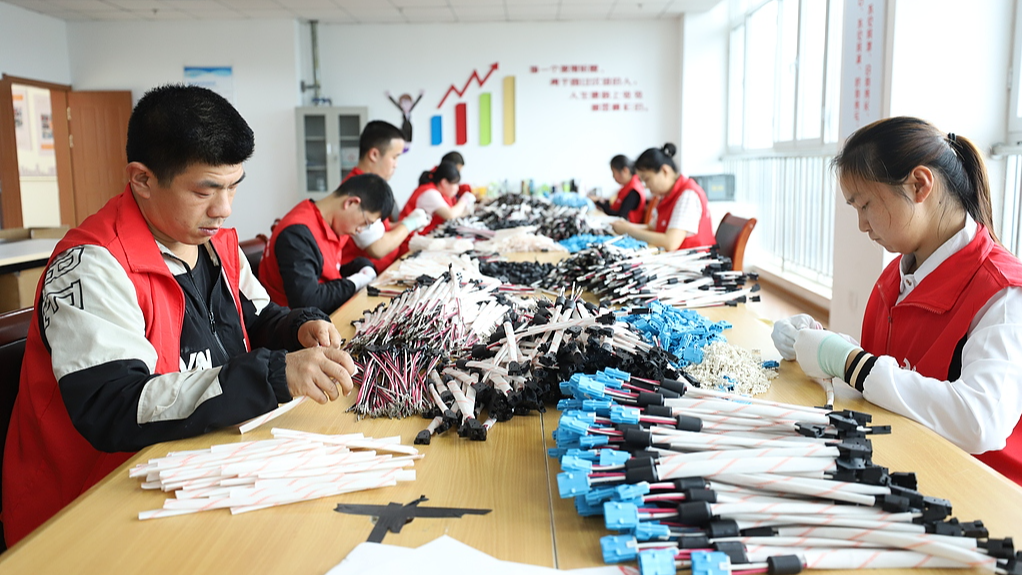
[331, 246]
[352, 251]
[433, 224]
[639, 213]
[47, 463]
[926, 327]
[664, 209]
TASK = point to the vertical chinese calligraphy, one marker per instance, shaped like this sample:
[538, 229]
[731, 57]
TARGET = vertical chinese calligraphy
[594, 88]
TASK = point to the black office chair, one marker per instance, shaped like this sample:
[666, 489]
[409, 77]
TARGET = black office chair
[253, 250]
[732, 234]
[13, 331]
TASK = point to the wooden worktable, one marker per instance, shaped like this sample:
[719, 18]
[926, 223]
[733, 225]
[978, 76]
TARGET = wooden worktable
[510, 474]
[16, 255]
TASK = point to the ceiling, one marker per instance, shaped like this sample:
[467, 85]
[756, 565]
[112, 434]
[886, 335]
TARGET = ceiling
[364, 11]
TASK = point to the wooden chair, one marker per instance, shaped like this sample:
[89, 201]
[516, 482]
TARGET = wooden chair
[253, 250]
[13, 331]
[732, 234]
[653, 201]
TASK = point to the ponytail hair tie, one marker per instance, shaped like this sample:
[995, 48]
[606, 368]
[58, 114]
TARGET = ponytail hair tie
[951, 137]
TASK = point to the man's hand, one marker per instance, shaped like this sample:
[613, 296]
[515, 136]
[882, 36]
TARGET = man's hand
[316, 372]
[319, 333]
[621, 227]
[363, 277]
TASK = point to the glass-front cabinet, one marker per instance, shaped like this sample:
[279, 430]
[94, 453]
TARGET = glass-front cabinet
[327, 145]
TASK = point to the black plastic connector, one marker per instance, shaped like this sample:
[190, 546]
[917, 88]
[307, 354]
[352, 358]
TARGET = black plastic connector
[735, 550]
[784, 564]
[423, 437]
[723, 528]
[694, 512]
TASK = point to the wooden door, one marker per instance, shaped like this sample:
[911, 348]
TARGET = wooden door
[98, 123]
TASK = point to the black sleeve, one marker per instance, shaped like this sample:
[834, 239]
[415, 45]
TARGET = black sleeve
[604, 205]
[107, 414]
[276, 327]
[629, 204]
[300, 261]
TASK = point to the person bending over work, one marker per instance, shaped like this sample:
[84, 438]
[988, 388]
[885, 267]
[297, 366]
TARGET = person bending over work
[438, 198]
[149, 324]
[630, 201]
[459, 162]
[942, 332]
[302, 267]
[379, 147]
[681, 219]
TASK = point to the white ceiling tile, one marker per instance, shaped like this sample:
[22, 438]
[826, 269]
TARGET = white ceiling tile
[333, 15]
[432, 14]
[532, 10]
[578, 12]
[304, 4]
[474, 3]
[85, 5]
[476, 12]
[247, 5]
[221, 14]
[278, 14]
[681, 6]
[136, 4]
[418, 3]
[164, 14]
[633, 8]
[379, 15]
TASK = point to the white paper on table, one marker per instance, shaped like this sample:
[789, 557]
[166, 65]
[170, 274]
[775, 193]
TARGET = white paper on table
[438, 556]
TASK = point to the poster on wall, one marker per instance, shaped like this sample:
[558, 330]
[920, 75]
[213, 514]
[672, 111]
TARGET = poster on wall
[862, 70]
[220, 79]
[22, 131]
[42, 114]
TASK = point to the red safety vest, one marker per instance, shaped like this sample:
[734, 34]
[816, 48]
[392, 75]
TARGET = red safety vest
[410, 206]
[331, 247]
[924, 329]
[664, 209]
[47, 463]
[639, 213]
[352, 251]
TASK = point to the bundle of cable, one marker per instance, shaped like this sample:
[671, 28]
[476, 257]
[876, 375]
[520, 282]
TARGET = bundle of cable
[294, 466]
[702, 480]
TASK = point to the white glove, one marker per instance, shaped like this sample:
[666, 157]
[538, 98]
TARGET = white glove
[822, 353]
[363, 277]
[468, 199]
[786, 329]
[416, 220]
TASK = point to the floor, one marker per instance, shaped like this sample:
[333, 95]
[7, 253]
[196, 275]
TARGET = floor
[776, 303]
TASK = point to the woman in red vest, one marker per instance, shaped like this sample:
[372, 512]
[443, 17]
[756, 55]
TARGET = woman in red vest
[437, 196]
[630, 201]
[681, 219]
[942, 332]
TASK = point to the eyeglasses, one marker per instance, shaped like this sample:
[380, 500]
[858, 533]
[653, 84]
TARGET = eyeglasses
[365, 219]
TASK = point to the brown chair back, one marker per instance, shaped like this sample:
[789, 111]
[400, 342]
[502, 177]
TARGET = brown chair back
[13, 331]
[653, 201]
[732, 234]
[253, 250]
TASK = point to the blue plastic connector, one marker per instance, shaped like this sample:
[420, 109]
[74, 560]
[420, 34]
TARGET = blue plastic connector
[598, 495]
[652, 531]
[573, 425]
[592, 388]
[586, 509]
[588, 455]
[569, 388]
[630, 490]
[620, 516]
[564, 436]
[771, 364]
[624, 414]
[556, 452]
[657, 562]
[618, 548]
[710, 563]
[613, 457]
[609, 381]
[572, 484]
[600, 407]
[617, 373]
[569, 403]
[587, 416]
[570, 463]
[591, 441]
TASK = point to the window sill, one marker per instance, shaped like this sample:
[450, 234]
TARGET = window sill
[814, 293]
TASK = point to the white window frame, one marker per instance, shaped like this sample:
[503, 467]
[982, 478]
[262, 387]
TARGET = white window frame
[1015, 82]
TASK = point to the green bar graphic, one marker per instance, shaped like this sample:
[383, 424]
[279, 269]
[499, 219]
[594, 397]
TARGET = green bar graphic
[484, 119]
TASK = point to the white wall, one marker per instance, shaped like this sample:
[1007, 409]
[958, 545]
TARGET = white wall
[33, 46]
[557, 138]
[704, 63]
[137, 56]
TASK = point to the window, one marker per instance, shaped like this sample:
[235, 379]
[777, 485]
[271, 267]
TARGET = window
[1015, 112]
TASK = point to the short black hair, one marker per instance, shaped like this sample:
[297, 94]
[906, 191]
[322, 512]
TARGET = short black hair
[454, 158]
[174, 126]
[621, 162]
[377, 134]
[373, 190]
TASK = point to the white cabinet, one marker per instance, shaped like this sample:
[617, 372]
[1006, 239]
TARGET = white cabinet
[327, 145]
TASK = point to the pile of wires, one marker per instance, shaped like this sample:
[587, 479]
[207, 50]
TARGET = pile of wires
[696, 479]
[517, 210]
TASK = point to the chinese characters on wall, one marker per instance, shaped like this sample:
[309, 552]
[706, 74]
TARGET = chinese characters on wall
[594, 88]
[863, 64]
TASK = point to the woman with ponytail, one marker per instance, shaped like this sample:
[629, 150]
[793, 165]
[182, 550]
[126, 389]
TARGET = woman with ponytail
[437, 196]
[942, 333]
[682, 218]
[630, 201]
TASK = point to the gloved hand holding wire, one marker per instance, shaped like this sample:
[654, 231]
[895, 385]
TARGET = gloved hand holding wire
[786, 329]
[416, 220]
[823, 353]
[363, 277]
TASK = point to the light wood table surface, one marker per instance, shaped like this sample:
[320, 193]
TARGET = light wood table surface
[509, 473]
[22, 254]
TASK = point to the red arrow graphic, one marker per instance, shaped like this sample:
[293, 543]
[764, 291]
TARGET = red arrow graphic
[461, 92]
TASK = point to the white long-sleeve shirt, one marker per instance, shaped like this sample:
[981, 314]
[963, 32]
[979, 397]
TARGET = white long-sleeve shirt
[978, 411]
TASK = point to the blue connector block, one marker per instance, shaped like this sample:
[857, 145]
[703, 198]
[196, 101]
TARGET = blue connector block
[556, 452]
[657, 562]
[652, 531]
[593, 456]
[710, 563]
[771, 364]
[585, 509]
[600, 407]
[566, 404]
[618, 548]
[624, 414]
[617, 373]
[572, 484]
[563, 436]
[569, 388]
[592, 388]
[609, 381]
[573, 425]
[620, 516]
[569, 463]
[630, 490]
[598, 495]
[587, 416]
[613, 457]
[591, 441]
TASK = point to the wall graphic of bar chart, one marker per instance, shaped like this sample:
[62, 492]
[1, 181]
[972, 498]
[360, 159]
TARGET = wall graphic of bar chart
[485, 119]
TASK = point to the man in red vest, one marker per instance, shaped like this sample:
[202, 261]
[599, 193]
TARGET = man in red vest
[150, 326]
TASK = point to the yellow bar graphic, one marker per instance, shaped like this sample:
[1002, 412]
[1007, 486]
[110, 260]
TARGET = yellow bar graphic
[509, 110]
